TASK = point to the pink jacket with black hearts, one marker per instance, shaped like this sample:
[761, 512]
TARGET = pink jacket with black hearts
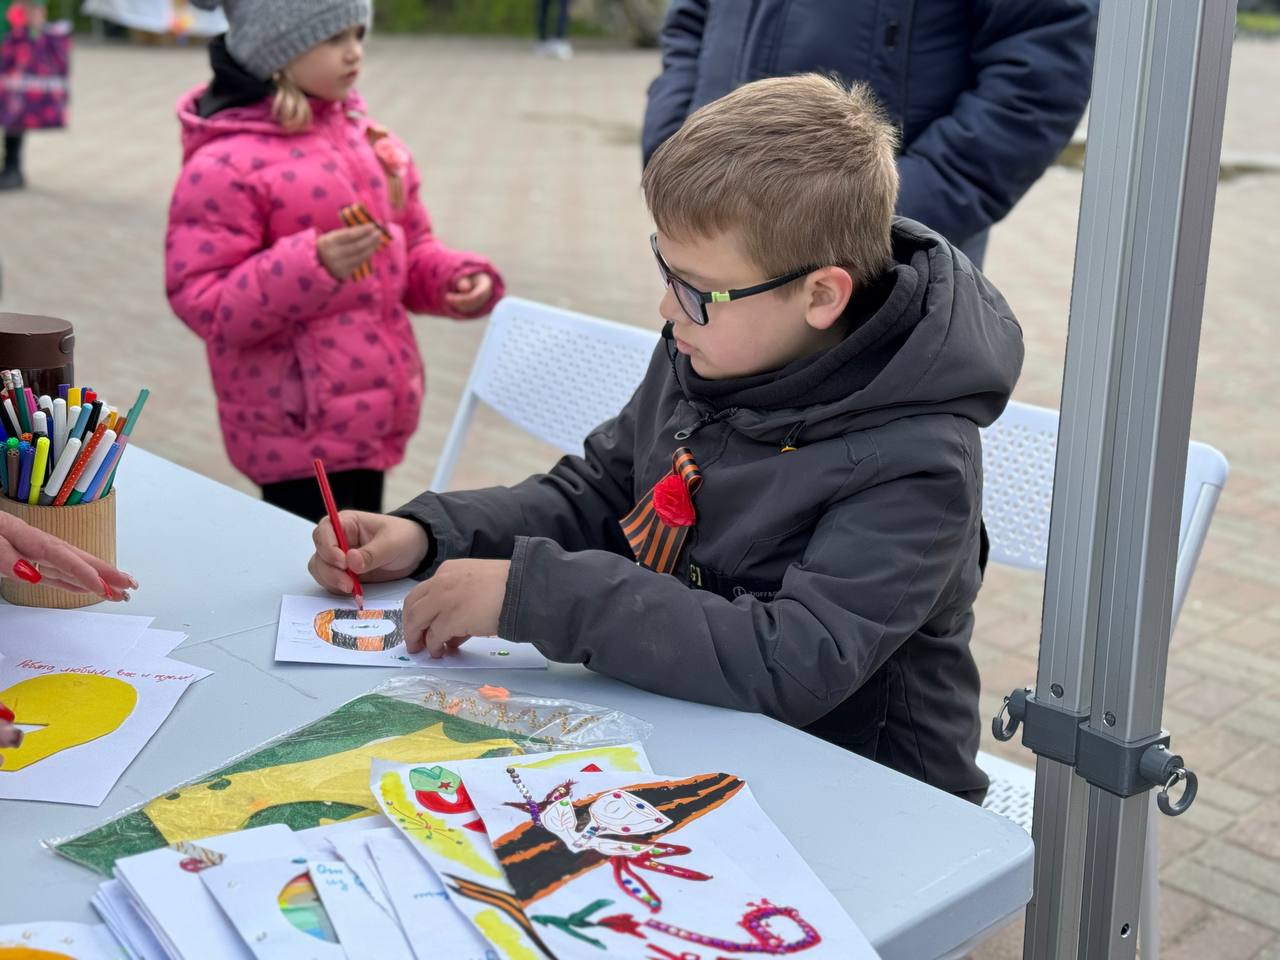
[304, 366]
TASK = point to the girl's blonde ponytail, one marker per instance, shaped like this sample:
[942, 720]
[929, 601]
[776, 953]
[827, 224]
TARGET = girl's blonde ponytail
[291, 108]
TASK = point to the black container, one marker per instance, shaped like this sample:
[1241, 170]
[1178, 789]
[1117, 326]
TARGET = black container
[41, 348]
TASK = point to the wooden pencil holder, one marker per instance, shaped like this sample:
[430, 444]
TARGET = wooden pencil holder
[89, 526]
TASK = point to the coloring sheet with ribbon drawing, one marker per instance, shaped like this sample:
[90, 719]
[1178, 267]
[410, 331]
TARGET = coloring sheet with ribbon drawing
[85, 719]
[328, 630]
[430, 805]
[653, 868]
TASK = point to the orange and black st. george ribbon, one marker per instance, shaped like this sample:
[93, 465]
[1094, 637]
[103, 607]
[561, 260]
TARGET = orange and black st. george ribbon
[357, 215]
[655, 543]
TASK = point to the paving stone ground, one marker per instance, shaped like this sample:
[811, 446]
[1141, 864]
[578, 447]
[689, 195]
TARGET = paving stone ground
[536, 164]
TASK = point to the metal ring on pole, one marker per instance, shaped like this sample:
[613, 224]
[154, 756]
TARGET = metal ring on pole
[1167, 806]
[999, 729]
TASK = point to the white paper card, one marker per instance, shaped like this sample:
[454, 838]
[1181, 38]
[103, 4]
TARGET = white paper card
[71, 632]
[91, 717]
[432, 924]
[274, 907]
[627, 865]
[328, 630]
[167, 888]
[365, 930]
[72, 941]
[116, 907]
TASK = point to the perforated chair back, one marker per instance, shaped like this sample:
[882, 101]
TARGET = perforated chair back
[555, 374]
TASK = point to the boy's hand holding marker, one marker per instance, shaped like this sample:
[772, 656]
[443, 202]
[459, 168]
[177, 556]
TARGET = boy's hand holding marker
[462, 600]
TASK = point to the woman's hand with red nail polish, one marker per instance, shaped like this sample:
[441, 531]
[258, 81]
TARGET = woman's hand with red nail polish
[38, 557]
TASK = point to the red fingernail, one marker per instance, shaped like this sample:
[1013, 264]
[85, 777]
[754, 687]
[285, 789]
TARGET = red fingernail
[25, 571]
[6, 715]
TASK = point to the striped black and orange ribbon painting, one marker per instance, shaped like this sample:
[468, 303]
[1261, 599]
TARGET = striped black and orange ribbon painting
[655, 541]
[357, 215]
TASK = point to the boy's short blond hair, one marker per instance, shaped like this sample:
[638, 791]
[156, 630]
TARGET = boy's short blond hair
[803, 169]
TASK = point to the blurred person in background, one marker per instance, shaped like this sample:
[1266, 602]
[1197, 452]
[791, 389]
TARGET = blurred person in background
[548, 45]
[985, 93]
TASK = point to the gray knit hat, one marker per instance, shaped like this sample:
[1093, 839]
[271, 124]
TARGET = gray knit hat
[266, 35]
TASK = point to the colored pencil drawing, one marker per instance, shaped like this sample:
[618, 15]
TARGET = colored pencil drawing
[592, 866]
[369, 631]
[316, 630]
[70, 709]
[602, 829]
[301, 906]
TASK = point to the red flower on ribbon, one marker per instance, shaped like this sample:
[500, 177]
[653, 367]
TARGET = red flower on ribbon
[673, 503]
[621, 923]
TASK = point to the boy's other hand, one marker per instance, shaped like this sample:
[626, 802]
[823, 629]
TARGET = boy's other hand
[470, 293]
[463, 600]
[381, 548]
[342, 252]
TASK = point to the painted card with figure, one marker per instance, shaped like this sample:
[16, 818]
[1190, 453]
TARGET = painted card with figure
[686, 868]
[328, 630]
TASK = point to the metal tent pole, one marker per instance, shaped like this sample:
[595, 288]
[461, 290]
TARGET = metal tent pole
[1151, 170]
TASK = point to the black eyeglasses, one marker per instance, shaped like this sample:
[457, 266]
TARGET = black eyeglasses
[694, 301]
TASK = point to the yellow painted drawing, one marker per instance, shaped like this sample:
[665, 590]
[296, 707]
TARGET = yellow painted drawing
[70, 708]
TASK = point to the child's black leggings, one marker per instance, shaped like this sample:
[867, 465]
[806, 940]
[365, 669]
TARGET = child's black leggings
[12, 151]
[352, 490]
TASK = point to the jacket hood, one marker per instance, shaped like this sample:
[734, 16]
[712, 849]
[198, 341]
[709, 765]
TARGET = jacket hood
[931, 336]
[255, 118]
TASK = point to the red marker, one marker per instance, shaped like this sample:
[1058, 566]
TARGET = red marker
[323, 479]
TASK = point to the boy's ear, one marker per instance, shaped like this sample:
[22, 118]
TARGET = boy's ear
[827, 292]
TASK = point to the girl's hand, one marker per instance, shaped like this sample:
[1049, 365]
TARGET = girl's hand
[470, 293]
[37, 557]
[382, 548]
[343, 251]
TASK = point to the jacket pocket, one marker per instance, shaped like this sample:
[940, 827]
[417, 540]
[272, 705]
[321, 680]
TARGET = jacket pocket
[858, 723]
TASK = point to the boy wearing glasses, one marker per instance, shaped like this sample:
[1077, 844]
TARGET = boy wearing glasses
[786, 517]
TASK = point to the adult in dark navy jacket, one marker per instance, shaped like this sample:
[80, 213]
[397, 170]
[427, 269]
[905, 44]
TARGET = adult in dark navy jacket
[985, 92]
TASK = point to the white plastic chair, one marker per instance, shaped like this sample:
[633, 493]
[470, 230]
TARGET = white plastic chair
[555, 374]
[1018, 453]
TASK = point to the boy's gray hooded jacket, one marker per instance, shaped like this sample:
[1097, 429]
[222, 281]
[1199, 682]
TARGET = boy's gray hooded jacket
[836, 581]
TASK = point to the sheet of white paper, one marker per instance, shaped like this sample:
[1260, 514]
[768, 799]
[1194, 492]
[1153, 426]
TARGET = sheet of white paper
[71, 632]
[159, 643]
[719, 876]
[430, 806]
[365, 930]
[432, 924]
[116, 907]
[319, 841]
[165, 885]
[93, 715]
[71, 941]
[327, 630]
[353, 850]
[275, 908]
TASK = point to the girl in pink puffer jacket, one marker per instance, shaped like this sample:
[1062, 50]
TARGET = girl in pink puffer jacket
[312, 354]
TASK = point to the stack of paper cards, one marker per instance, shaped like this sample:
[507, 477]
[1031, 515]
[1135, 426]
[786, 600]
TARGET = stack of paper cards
[569, 855]
[325, 630]
[88, 691]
